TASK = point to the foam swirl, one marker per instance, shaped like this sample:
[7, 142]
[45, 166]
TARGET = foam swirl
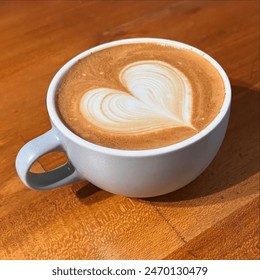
[159, 96]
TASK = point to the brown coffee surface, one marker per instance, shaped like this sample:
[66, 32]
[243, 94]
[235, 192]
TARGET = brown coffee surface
[102, 70]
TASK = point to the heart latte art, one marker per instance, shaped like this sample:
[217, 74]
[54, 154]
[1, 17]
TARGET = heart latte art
[158, 96]
[139, 96]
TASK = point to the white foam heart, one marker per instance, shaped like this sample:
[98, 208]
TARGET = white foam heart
[158, 96]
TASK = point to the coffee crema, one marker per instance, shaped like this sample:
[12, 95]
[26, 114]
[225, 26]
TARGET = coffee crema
[140, 96]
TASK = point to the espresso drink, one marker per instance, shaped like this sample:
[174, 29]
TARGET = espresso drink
[140, 96]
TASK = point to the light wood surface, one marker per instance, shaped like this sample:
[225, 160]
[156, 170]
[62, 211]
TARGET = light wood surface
[214, 217]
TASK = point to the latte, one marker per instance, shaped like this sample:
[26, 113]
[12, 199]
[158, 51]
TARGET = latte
[140, 96]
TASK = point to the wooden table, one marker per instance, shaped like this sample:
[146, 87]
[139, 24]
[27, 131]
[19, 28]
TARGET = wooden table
[214, 217]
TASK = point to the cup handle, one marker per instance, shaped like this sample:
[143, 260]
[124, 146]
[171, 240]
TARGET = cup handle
[33, 150]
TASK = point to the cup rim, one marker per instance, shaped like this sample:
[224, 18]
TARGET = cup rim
[64, 130]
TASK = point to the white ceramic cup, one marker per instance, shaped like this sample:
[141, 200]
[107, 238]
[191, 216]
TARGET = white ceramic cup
[142, 173]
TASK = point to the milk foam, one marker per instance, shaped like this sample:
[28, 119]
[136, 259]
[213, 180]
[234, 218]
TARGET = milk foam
[158, 96]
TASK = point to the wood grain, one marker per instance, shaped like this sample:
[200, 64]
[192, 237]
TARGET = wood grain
[243, 245]
[214, 217]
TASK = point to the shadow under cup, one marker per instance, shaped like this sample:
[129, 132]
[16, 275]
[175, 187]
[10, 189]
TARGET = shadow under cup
[141, 173]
